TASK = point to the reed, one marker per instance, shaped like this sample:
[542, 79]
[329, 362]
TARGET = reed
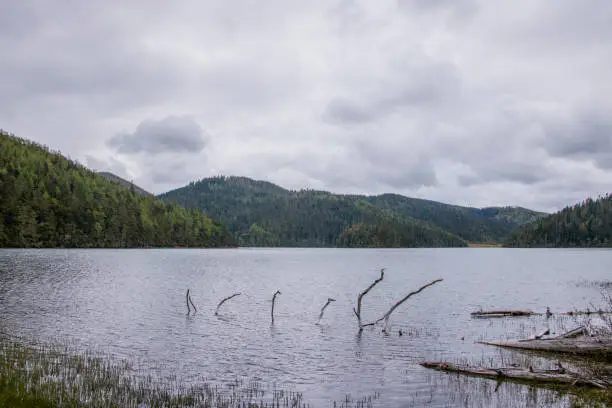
[46, 375]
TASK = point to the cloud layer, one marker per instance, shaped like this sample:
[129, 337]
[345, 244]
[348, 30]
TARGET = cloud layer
[466, 101]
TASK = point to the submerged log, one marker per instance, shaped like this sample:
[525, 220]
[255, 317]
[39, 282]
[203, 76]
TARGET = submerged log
[501, 313]
[488, 314]
[558, 376]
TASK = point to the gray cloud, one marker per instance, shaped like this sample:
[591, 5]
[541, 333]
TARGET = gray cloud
[110, 165]
[344, 111]
[171, 134]
[587, 135]
[465, 101]
[430, 85]
[522, 173]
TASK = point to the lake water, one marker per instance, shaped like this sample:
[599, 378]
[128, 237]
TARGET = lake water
[131, 303]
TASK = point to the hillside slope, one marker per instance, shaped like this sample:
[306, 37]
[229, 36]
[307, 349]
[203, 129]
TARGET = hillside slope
[486, 225]
[262, 213]
[124, 183]
[47, 200]
[586, 224]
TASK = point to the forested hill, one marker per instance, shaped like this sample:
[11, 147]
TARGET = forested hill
[262, 213]
[482, 225]
[124, 183]
[586, 224]
[47, 200]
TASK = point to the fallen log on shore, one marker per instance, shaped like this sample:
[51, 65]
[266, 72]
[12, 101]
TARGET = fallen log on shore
[558, 376]
[582, 345]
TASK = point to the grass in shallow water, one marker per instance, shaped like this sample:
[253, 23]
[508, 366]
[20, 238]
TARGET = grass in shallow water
[51, 376]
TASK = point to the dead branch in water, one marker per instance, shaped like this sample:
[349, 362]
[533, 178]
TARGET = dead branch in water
[405, 298]
[362, 294]
[273, 301]
[187, 300]
[329, 300]
[225, 300]
[190, 301]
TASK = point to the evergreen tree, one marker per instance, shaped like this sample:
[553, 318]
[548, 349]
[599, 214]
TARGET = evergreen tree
[47, 200]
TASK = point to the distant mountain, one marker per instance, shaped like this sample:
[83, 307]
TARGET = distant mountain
[47, 200]
[260, 213]
[586, 224]
[483, 225]
[123, 182]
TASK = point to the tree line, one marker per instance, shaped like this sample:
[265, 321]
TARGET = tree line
[259, 213]
[585, 224]
[47, 200]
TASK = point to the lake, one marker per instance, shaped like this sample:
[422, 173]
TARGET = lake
[131, 304]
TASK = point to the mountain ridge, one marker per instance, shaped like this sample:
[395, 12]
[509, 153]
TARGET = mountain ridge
[242, 203]
[124, 183]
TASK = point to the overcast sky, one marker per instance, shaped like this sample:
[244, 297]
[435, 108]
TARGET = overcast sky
[463, 101]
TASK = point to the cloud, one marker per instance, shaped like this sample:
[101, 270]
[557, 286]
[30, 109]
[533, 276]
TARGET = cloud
[429, 85]
[464, 101]
[171, 134]
[110, 165]
[584, 135]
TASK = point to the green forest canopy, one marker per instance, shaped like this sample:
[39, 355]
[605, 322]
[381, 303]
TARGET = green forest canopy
[586, 224]
[260, 213]
[47, 200]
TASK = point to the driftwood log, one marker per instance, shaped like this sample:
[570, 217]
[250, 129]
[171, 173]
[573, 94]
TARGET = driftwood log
[488, 314]
[225, 300]
[575, 341]
[539, 335]
[558, 376]
[582, 346]
[501, 313]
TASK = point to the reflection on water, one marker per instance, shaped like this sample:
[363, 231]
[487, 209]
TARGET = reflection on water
[131, 303]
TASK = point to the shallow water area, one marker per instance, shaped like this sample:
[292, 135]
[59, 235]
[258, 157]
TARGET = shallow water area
[131, 303]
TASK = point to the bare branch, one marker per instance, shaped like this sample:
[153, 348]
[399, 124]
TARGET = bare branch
[329, 300]
[365, 292]
[191, 301]
[273, 301]
[187, 300]
[225, 300]
[405, 298]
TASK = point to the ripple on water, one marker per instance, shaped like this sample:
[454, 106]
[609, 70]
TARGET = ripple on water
[131, 303]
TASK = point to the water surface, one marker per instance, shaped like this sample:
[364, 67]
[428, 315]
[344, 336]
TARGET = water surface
[131, 303]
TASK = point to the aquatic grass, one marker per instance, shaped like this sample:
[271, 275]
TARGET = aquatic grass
[45, 375]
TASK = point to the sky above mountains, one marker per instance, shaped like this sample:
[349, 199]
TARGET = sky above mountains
[463, 101]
